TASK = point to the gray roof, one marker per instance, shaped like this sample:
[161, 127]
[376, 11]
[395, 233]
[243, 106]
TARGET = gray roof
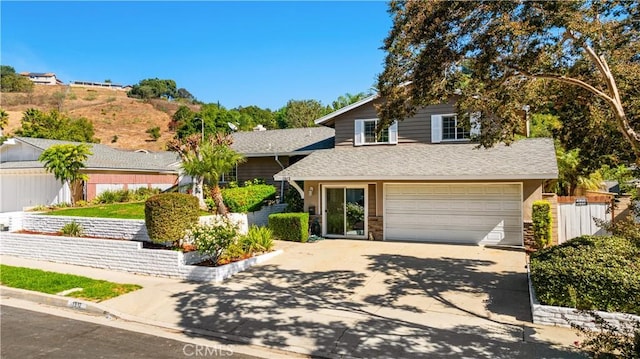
[105, 157]
[291, 141]
[524, 159]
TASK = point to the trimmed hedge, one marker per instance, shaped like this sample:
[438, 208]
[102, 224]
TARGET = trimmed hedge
[249, 198]
[169, 215]
[542, 219]
[589, 272]
[290, 226]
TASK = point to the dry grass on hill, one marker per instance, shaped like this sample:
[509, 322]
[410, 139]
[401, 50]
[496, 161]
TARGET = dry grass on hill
[111, 111]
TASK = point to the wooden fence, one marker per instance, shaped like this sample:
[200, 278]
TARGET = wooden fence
[577, 215]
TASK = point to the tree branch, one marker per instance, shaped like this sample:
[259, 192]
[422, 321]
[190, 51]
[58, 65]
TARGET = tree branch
[569, 80]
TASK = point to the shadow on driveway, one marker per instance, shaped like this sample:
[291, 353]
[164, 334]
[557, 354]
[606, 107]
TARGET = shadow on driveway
[373, 313]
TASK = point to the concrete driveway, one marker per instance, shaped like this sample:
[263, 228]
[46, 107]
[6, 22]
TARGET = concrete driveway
[378, 300]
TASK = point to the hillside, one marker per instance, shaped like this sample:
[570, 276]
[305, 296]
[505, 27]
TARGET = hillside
[111, 111]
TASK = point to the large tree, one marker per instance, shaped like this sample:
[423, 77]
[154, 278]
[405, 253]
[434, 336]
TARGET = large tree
[348, 99]
[155, 88]
[10, 81]
[65, 162]
[4, 121]
[495, 57]
[56, 126]
[300, 113]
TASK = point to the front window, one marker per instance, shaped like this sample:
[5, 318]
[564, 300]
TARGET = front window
[370, 133]
[451, 131]
[231, 176]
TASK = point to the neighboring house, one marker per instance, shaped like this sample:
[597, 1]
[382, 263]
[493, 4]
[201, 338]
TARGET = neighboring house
[268, 152]
[25, 183]
[40, 78]
[421, 180]
[107, 85]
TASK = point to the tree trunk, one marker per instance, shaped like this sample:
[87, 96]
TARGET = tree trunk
[198, 183]
[216, 194]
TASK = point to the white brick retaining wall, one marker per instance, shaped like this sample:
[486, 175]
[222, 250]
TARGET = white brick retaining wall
[564, 317]
[94, 227]
[120, 255]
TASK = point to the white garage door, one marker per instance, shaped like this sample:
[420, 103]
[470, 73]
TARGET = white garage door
[457, 213]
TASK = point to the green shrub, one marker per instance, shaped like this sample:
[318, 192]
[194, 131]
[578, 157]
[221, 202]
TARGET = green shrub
[214, 239]
[610, 341]
[290, 226]
[293, 200]
[541, 216]
[247, 199]
[123, 195]
[257, 239]
[72, 229]
[234, 251]
[589, 272]
[169, 215]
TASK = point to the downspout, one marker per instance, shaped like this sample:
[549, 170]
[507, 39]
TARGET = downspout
[281, 181]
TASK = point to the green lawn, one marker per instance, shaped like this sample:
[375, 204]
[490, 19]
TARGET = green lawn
[52, 283]
[130, 210]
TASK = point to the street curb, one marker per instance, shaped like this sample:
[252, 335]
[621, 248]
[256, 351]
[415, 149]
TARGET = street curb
[54, 300]
[95, 309]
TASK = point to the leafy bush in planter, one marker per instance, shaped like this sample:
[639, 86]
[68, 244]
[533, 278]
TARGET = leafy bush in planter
[541, 216]
[247, 199]
[258, 239]
[290, 226]
[214, 239]
[169, 215]
[589, 272]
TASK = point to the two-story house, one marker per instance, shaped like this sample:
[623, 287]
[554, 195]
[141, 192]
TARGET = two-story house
[421, 180]
[42, 78]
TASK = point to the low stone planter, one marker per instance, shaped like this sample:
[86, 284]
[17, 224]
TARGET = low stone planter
[121, 255]
[564, 317]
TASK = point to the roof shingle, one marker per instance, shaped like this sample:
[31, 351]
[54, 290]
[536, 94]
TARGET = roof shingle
[524, 159]
[105, 157]
[285, 141]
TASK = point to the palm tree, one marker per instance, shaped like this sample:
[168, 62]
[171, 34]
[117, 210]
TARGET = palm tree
[189, 151]
[214, 160]
[65, 162]
[207, 161]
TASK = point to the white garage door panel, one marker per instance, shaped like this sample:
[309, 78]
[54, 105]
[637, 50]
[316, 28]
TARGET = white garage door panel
[460, 213]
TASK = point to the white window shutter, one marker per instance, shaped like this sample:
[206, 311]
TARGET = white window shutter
[358, 134]
[393, 133]
[436, 128]
[474, 118]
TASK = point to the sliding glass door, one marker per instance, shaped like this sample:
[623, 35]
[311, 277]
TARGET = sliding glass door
[345, 211]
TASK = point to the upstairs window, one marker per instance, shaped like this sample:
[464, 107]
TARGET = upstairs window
[446, 128]
[366, 133]
[451, 131]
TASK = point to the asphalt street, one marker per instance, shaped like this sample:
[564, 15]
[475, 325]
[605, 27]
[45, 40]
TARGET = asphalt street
[29, 334]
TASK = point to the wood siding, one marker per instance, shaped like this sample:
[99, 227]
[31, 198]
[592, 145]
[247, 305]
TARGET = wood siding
[263, 168]
[411, 130]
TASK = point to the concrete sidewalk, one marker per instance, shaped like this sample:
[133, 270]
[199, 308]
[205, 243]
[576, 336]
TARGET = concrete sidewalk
[352, 299]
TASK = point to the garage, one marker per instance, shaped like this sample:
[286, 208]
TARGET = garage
[483, 213]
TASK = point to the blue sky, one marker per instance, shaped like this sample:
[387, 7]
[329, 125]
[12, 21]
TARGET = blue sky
[238, 53]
